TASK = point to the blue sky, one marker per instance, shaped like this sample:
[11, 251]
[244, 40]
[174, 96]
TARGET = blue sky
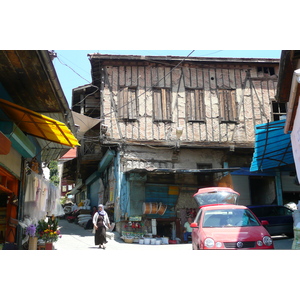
[73, 67]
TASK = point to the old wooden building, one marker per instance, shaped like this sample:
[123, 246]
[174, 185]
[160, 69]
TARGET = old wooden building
[168, 126]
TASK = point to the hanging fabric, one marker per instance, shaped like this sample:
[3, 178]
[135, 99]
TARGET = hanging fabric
[41, 197]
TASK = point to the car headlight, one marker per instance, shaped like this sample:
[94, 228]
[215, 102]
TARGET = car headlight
[218, 244]
[209, 243]
[267, 241]
[259, 243]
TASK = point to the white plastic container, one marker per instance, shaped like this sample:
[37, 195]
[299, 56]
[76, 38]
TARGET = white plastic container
[165, 240]
[153, 242]
[147, 241]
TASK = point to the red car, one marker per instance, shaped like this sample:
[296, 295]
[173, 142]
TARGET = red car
[219, 225]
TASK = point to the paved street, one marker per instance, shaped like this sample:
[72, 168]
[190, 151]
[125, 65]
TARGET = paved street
[75, 237]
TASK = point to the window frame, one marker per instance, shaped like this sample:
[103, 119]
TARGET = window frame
[162, 104]
[128, 108]
[195, 104]
[227, 105]
[280, 112]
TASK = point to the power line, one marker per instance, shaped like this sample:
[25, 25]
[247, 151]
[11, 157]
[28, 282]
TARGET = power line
[97, 88]
[72, 69]
[147, 90]
[126, 104]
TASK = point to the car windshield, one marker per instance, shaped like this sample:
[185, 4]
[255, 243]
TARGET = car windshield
[229, 217]
[216, 197]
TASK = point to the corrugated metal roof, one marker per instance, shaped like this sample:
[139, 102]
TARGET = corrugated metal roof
[273, 148]
[166, 171]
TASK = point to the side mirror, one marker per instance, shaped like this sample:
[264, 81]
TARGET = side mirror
[264, 222]
[194, 225]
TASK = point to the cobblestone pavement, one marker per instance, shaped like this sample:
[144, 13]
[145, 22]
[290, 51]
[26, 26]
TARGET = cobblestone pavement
[75, 237]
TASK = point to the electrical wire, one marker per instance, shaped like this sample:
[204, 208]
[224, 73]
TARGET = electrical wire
[147, 90]
[126, 104]
[72, 69]
[97, 88]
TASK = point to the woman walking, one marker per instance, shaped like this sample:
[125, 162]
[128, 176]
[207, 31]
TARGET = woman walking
[101, 223]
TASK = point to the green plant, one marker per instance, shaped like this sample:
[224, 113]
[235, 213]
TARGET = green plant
[48, 230]
[54, 174]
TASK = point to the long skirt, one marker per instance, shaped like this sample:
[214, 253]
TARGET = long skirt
[100, 236]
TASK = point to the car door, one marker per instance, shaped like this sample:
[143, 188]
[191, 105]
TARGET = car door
[280, 220]
[196, 233]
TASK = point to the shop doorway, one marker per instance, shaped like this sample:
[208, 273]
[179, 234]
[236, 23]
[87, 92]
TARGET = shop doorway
[164, 228]
[262, 190]
[168, 228]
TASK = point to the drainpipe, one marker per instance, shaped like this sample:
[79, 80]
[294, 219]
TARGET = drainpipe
[278, 187]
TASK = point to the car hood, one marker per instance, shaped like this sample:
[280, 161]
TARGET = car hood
[236, 233]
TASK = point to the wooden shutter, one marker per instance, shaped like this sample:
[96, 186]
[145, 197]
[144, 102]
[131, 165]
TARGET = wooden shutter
[162, 104]
[227, 103]
[127, 103]
[195, 105]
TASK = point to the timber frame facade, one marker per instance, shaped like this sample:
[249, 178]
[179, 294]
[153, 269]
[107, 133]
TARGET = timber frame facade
[171, 122]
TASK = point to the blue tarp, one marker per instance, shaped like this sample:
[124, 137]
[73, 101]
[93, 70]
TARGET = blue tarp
[273, 148]
[246, 172]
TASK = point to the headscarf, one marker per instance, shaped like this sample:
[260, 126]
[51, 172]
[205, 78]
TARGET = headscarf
[102, 212]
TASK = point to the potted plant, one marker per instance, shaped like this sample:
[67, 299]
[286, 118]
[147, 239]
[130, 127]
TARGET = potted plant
[31, 232]
[30, 227]
[48, 231]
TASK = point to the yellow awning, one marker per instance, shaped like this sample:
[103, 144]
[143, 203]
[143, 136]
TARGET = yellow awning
[39, 125]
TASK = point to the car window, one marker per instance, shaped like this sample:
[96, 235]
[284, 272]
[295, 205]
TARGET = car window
[271, 211]
[258, 211]
[198, 216]
[283, 211]
[229, 217]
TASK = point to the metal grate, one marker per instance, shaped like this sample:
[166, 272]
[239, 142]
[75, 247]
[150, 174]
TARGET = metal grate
[234, 245]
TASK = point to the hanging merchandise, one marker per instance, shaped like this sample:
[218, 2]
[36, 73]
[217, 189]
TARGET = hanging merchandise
[101, 192]
[41, 197]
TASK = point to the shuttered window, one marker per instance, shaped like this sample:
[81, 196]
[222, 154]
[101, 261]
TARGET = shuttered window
[127, 103]
[162, 104]
[195, 108]
[228, 107]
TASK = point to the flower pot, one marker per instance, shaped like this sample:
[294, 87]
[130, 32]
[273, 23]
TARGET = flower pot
[48, 246]
[32, 243]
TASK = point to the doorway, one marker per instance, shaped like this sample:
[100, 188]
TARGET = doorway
[262, 190]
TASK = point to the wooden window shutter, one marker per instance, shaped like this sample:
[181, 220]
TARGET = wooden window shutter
[122, 109]
[233, 106]
[195, 105]
[162, 104]
[127, 103]
[221, 105]
[189, 105]
[227, 104]
[156, 105]
[132, 103]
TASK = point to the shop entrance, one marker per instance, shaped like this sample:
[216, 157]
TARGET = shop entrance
[262, 190]
[168, 228]
[164, 228]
